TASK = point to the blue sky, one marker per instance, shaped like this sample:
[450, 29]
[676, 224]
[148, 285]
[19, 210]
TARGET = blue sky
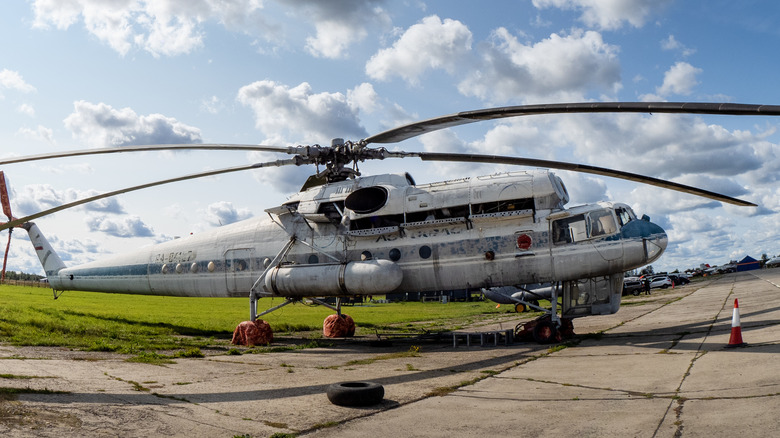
[80, 74]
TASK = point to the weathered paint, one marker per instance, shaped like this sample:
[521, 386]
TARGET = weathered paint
[513, 244]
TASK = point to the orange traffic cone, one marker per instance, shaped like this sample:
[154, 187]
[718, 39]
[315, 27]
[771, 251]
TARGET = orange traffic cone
[736, 329]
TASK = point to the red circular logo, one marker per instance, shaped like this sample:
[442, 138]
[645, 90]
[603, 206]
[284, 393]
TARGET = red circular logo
[524, 242]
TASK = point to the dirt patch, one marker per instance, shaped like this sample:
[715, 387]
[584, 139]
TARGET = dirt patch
[16, 415]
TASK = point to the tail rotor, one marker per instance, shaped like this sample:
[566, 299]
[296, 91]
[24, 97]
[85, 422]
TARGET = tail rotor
[6, 204]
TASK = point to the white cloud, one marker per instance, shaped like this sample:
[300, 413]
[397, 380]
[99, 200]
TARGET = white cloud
[681, 148]
[22, 256]
[700, 236]
[584, 189]
[671, 43]
[212, 105]
[663, 145]
[41, 133]
[430, 44]
[176, 27]
[608, 14]
[26, 109]
[224, 212]
[101, 125]
[557, 68]
[161, 27]
[679, 79]
[34, 198]
[363, 98]
[339, 24]
[298, 114]
[332, 39]
[12, 80]
[125, 227]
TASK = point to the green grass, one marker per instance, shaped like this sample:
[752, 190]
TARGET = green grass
[135, 324]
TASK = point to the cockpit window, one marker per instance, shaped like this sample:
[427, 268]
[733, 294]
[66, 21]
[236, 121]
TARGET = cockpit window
[583, 226]
[623, 216]
[570, 229]
[602, 223]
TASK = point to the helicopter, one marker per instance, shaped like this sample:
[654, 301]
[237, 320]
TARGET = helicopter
[345, 234]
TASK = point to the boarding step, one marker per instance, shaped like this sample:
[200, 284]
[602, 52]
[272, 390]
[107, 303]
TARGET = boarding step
[485, 338]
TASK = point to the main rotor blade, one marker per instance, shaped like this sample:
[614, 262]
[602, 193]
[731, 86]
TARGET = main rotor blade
[583, 168]
[418, 128]
[16, 222]
[159, 147]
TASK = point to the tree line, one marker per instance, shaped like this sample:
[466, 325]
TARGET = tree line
[22, 276]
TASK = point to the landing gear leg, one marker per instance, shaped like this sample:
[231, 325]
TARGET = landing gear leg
[252, 305]
[548, 328]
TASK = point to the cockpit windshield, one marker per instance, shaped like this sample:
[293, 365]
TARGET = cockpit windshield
[590, 225]
[624, 215]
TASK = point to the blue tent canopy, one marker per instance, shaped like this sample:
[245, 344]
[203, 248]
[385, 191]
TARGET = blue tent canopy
[748, 264]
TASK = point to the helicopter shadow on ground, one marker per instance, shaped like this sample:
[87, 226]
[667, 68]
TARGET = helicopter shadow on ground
[510, 358]
[680, 337]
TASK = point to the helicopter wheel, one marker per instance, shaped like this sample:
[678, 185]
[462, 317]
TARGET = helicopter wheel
[545, 332]
[520, 308]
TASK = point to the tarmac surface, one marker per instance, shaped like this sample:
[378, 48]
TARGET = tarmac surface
[658, 367]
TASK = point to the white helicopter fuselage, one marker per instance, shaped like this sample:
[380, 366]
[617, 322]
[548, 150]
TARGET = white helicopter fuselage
[385, 234]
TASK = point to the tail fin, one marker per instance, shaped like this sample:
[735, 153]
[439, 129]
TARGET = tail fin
[52, 263]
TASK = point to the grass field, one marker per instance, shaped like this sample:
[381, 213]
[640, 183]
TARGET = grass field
[136, 324]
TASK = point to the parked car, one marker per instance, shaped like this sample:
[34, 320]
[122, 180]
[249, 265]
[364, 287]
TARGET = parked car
[661, 281]
[632, 286]
[679, 279]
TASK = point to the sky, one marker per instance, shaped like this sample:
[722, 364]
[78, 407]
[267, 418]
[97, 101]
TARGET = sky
[82, 74]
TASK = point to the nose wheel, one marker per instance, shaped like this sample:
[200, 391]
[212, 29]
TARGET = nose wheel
[544, 330]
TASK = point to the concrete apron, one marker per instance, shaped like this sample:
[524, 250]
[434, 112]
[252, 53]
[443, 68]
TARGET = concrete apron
[661, 373]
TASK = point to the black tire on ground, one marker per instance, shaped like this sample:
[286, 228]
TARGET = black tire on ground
[544, 332]
[356, 393]
[636, 292]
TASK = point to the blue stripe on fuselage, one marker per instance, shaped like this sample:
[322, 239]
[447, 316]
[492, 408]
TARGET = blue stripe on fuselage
[108, 271]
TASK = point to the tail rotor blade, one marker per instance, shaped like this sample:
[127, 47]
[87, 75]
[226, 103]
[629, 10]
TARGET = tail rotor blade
[6, 202]
[4, 197]
[5, 256]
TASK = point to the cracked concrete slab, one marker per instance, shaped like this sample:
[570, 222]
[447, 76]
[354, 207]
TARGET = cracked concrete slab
[656, 368]
[660, 371]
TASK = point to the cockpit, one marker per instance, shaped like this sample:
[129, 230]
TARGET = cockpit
[599, 222]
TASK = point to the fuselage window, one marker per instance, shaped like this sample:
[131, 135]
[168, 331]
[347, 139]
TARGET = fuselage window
[602, 223]
[569, 230]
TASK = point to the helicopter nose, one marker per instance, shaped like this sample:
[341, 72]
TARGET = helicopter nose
[653, 236]
[656, 242]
